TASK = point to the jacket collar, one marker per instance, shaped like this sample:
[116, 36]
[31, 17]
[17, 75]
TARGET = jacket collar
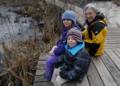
[97, 18]
[73, 51]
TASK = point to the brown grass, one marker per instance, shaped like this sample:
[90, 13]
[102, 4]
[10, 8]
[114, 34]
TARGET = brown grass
[21, 59]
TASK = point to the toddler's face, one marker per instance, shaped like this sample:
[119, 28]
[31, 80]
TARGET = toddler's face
[71, 42]
[67, 23]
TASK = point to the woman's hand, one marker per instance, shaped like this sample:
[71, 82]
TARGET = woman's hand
[52, 50]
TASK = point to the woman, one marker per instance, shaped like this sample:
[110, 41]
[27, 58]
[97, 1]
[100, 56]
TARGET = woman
[95, 31]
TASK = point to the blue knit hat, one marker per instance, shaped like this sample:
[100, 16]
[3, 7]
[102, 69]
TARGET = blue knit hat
[69, 14]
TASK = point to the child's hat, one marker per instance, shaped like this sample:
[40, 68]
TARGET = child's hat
[75, 33]
[69, 14]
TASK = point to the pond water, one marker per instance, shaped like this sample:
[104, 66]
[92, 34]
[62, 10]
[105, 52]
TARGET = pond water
[13, 26]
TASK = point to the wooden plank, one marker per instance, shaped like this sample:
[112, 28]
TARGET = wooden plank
[112, 46]
[112, 42]
[104, 73]
[40, 68]
[117, 52]
[117, 41]
[112, 68]
[111, 31]
[44, 57]
[70, 84]
[40, 72]
[39, 78]
[43, 84]
[113, 35]
[114, 57]
[41, 65]
[113, 39]
[93, 76]
[84, 82]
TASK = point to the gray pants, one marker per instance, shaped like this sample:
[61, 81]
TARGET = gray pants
[56, 79]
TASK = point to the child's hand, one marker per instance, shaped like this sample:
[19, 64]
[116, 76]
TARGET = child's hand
[52, 50]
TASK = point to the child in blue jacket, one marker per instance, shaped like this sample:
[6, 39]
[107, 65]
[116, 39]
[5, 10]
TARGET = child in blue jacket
[69, 20]
[74, 62]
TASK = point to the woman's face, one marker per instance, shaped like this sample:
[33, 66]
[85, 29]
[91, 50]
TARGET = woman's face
[71, 42]
[90, 14]
[67, 23]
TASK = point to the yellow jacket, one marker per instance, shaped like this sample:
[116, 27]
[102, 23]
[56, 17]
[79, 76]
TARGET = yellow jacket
[94, 36]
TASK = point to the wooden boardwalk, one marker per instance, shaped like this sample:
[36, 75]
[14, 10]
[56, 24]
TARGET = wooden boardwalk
[104, 71]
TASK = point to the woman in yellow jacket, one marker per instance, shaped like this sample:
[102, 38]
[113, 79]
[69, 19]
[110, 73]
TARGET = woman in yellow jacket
[95, 31]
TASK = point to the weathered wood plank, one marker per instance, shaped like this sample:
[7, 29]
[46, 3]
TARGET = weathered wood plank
[70, 84]
[118, 49]
[117, 52]
[114, 57]
[84, 82]
[43, 84]
[115, 45]
[93, 76]
[110, 40]
[39, 78]
[43, 58]
[112, 68]
[104, 73]
[40, 72]
[112, 46]
[41, 65]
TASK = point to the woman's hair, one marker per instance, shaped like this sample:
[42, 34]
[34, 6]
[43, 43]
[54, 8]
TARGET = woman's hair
[91, 6]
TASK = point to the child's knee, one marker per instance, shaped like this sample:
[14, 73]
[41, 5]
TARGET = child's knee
[51, 60]
[60, 81]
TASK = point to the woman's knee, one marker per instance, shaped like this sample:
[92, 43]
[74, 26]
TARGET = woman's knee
[51, 60]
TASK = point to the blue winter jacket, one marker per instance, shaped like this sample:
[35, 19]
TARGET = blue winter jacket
[62, 41]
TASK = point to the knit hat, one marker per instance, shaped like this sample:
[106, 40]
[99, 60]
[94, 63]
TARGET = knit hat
[75, 33]
[69, 14]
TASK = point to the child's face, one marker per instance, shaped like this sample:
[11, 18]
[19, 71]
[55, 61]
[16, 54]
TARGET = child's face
[67, 23]
[71, 42]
